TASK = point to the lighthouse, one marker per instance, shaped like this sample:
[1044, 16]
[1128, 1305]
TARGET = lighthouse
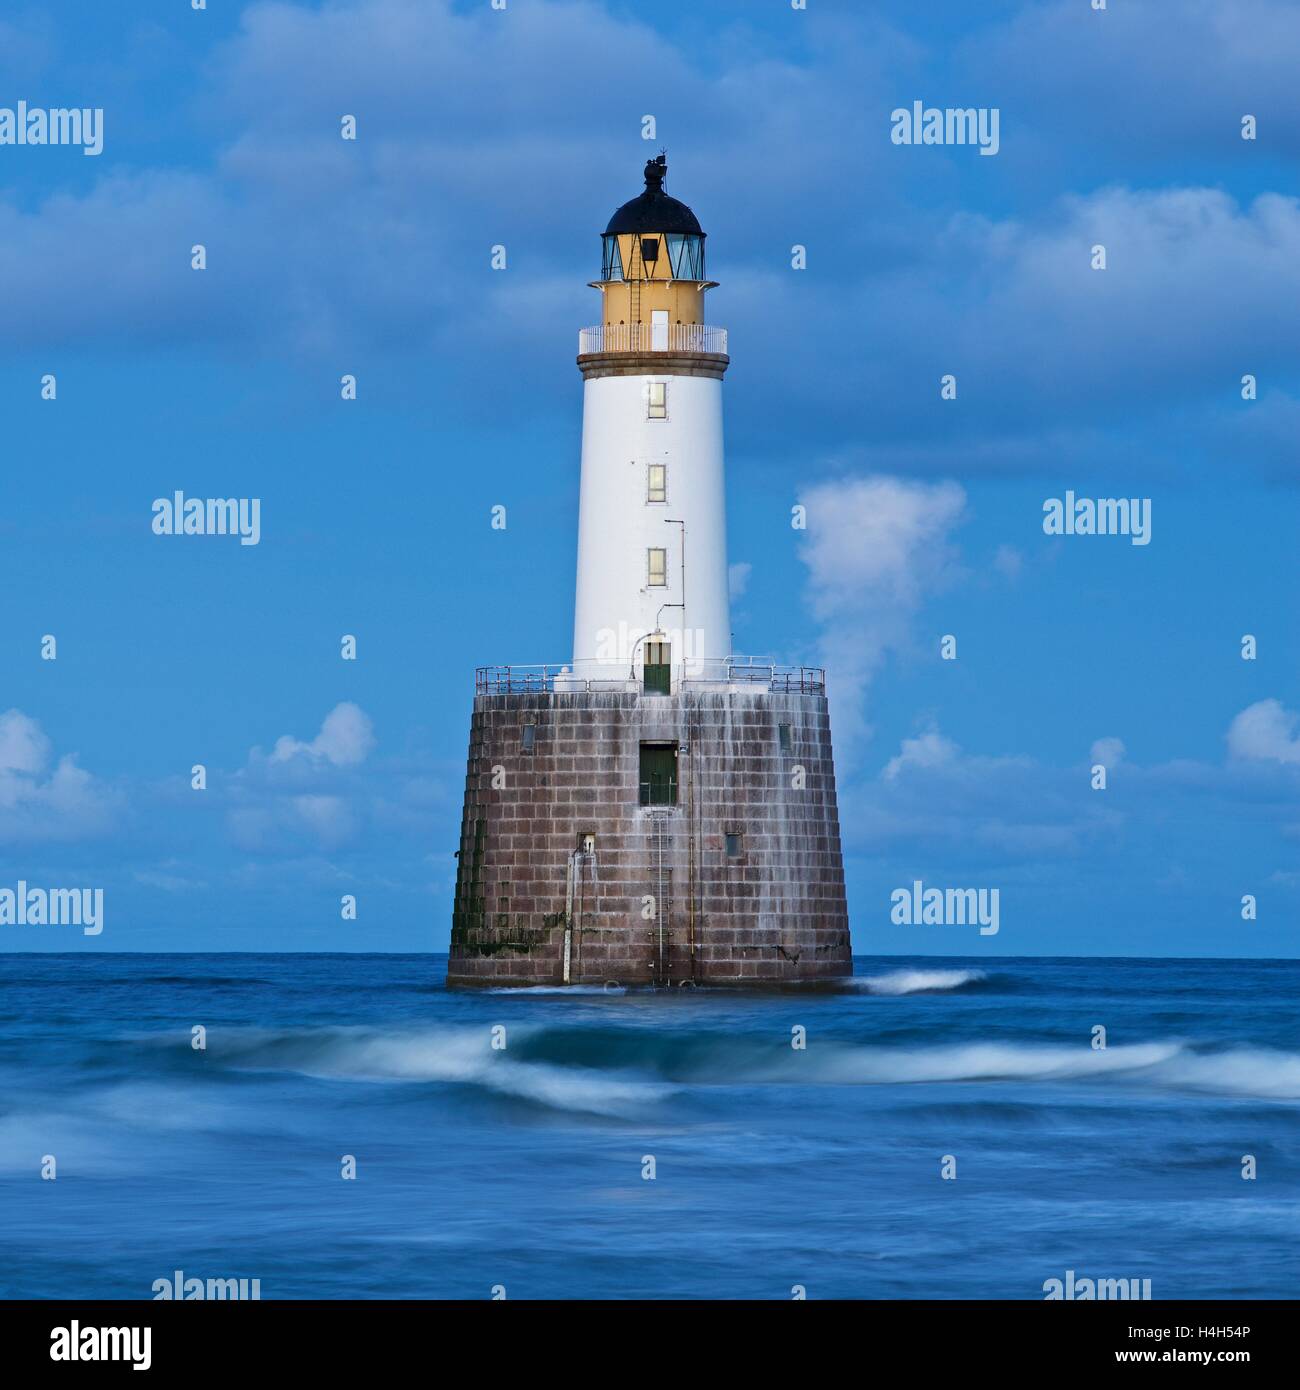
[652, 533]
[656, 810]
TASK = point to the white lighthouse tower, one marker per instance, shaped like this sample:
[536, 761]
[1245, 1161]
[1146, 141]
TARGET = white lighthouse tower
[655, 811]
[652, 536]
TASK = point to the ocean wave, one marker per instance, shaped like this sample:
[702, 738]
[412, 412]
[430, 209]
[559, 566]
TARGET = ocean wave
[1245, 1071]
[459, 1057]
[988, 1062]
[916, 981]
[705, 1059]
[616, 1071]
[1248, 1073]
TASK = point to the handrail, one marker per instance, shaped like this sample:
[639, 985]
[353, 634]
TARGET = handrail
[652, 337]
[561, 679]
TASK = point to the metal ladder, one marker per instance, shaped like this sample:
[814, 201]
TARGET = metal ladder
[662, 882]
[634, 318]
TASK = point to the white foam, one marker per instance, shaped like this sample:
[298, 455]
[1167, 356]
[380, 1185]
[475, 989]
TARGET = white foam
[1254, 1072]
[915, 981]
[447, 1055]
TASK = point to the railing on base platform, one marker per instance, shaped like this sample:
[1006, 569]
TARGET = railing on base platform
[729, 671]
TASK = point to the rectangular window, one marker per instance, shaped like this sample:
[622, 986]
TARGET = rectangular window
[658, 774]
[784, 733]
[657, 398]
[657, 568]
[657, 483]
[529, 737]
[735, 844]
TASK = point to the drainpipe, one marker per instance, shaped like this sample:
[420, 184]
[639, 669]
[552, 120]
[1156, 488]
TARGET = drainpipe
[568, 916]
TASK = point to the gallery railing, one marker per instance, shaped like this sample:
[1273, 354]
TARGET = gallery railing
[652, 337]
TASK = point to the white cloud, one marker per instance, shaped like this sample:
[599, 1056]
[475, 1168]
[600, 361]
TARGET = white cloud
[930, 750]
[933, 799]
[39, 803]
[875, 548]
[328, 818]
[23, 747]
[738, 578]
[1008, 561]
[1109, 752]
[317, 792]
[346, 738]
[1265, 732]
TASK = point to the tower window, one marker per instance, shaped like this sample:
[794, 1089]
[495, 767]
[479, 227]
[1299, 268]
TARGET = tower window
[657, 568]
[529, 737]
[657, 401]
[657, 483]
[735, 844]
[783, 732]
[612, 261]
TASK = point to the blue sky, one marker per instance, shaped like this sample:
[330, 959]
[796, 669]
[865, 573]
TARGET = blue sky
[523, 128]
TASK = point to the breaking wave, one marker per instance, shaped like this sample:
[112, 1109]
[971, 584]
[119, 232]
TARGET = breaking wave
[916, 981]
[444, 1055]
[619, 1072]
[1245, 1072]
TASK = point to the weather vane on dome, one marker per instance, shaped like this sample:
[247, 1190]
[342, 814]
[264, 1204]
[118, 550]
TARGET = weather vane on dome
[656, 171]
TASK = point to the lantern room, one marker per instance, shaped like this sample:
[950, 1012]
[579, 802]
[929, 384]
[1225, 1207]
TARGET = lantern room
[652, 263]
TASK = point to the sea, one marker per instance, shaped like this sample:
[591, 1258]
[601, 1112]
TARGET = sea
[345, 1127]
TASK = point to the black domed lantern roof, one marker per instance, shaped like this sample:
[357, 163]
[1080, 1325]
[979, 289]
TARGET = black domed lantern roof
[648, 219]
[654, 210]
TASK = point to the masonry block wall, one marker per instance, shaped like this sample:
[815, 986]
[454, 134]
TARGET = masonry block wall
[738, 880]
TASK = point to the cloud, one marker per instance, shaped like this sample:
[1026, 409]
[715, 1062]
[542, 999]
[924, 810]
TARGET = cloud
[1265, 732]
[168, 881]
[1008, 562]
[305, 792]
[738, 578]
[875, 548]
[327, 794]
[932, 799]
[1060, 58]
[40, 803]
[929, 750]
[328, 817]
[1109, 752]
[345, 739]
[1049, 354]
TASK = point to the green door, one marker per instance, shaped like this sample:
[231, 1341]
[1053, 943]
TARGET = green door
[658, 774]
[658, 669]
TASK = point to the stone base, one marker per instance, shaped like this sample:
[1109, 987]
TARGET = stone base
[739, 882]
